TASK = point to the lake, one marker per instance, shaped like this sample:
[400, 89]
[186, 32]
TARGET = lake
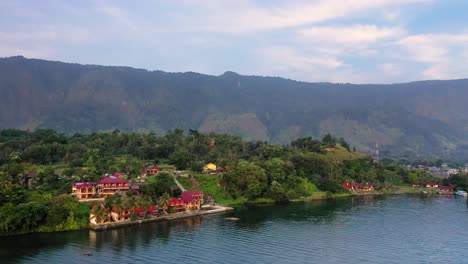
[367, 229]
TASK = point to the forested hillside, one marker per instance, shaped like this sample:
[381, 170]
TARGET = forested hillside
[419, 119]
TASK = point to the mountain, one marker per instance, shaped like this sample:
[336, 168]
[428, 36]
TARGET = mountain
[418, 119]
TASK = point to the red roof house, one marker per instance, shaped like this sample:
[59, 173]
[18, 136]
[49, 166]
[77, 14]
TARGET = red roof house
[112, 185]
[149, 171]
[447, 188]
[84, 190]
[192, 199]
[177, 204]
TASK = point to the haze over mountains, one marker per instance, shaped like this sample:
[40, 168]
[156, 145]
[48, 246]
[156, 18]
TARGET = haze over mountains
[419, 119]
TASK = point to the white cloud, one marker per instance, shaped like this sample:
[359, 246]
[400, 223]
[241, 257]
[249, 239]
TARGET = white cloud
[48, 34]
[390, 69]
[300, 65]
[247, 16]
[349, 35]
[120, 16]
[439, 52]
[285, 57]
[391, 15]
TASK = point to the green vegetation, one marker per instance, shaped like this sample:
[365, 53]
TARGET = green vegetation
[253, 172]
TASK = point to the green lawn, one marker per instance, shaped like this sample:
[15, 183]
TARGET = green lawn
[209, 186]
[340, 154]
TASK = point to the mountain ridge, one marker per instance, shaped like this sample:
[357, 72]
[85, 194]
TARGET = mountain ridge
[420, 118]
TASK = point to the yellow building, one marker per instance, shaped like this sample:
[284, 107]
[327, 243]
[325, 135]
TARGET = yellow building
[209, 167]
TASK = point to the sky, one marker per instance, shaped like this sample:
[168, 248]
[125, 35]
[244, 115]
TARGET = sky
[355, 41]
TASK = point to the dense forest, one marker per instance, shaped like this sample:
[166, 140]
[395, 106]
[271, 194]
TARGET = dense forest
[424, 119]
[252, 170]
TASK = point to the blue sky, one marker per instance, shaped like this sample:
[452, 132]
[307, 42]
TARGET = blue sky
[357, 41]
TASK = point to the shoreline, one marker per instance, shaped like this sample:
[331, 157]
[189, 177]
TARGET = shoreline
[217, 209]
[222, 208]
[320, 196]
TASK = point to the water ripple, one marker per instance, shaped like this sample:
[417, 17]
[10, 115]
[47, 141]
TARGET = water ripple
[395, 229]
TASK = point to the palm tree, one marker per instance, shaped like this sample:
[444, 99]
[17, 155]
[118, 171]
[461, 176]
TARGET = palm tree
[164, 202]
[133, 203]
[118, 205]
[99, 213]
[146, 202]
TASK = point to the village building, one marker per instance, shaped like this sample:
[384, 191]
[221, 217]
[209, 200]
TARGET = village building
[84, 190]
[209, 167]
[112, 185]
[192, 200]
[432, 185]
[150, 171]
[359, 187]
[447, 188]
[177, 204]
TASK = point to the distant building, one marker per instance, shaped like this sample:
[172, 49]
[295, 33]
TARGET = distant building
[177, 204]
[84, 190]
[192, 200]
[447, 188]
[111, 185]
[150, 171]
[359, 187]
[432, 185]
[209, 167]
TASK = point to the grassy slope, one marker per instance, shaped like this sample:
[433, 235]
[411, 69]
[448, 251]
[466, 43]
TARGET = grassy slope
[209, 185]
[340, 154]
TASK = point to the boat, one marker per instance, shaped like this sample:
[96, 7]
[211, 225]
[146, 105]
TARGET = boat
[462, 193]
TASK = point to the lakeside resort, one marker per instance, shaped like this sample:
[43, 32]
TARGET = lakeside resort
[190, 203]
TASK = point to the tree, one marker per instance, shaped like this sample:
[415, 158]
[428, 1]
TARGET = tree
[250, 179]
[329, 141]
[344, 144]
[164, 202]
[275, 169]
[100, 213]
[278, 192]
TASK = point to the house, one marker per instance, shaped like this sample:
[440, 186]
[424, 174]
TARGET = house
[177, 204]
[447, 188]
[209, 167]
[84, 190]
[359, 187]
[119, 175]
[192, 200]
[152, 210]
[432, 185]
[150, 170]
[348, 186]
[112, 185]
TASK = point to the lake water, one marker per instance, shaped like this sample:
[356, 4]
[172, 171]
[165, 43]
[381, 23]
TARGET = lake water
[390, 229]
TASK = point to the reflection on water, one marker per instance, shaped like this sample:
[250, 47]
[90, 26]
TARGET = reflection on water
[372, 229]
